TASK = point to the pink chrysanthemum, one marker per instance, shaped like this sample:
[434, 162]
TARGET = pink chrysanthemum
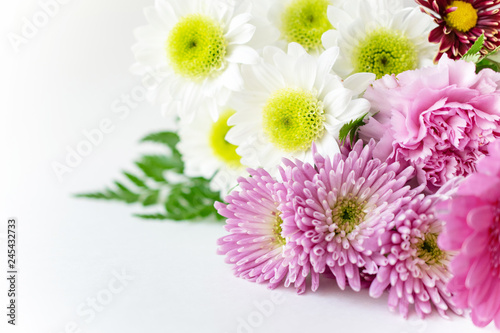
[461, 22]
[337, 208]
[473, 228]
[437, 119]
[417, 272]
[255, 244]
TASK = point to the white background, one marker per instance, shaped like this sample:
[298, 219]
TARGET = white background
[63, 81]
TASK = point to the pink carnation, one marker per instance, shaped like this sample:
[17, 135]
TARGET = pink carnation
[473, 228]
[437, 119]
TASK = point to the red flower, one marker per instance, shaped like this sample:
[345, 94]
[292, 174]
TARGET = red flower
[461, 22]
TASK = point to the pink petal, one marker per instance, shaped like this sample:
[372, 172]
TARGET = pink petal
[478, 272]
[481, 218]
[476, 244]
[481, 185]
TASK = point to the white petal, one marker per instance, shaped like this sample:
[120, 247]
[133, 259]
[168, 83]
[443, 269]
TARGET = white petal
[417, 24]
[265, 34]
[243, 6]
[359, 82]
[190, 97]
[295, 50]
[213, 108]
[327, 59]
[330, 38]
[338, 16]
[238, 21]
[333, 125]
[220, 10]
[167, 13]
[336, 101]
[154, 19]
[285, 64]
[243, 34]
[223, 95]
[269, 53]
[149, 56]
[245, 117]
[328, 145]
[231, 78]
[355, 109]
[343, 66]
[305, 70]
[242, 54]
[268, 77]
[181, 7]
[268, 155]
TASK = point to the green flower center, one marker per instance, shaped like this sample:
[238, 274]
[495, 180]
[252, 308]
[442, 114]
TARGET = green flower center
[196, 46]
[278, 238]
[223, 150]
[463, 18]
[292, 119]
[305, 21]
[347, 213]
[385, 51]
[429, 251]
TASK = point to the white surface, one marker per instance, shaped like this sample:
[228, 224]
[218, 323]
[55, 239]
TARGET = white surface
[63, 81]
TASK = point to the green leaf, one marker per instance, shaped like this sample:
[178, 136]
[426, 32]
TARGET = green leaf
[169, 139]
[94, 195]
[113, 195]
[136, 180]
[122, 194]
[154, 166]
[151, 198]
[486, 63]
[481, 60]
[125, 194]
[191, 199]
[163, 162]
[152, 216]
[350, 129]
[473, 54]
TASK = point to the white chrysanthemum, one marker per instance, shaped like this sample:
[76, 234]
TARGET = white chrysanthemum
[379, 36]
[190, 52]
[300, 21]
[206, 153]
[290, 101]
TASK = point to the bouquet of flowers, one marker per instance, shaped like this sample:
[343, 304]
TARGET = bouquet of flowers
[355, 139]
